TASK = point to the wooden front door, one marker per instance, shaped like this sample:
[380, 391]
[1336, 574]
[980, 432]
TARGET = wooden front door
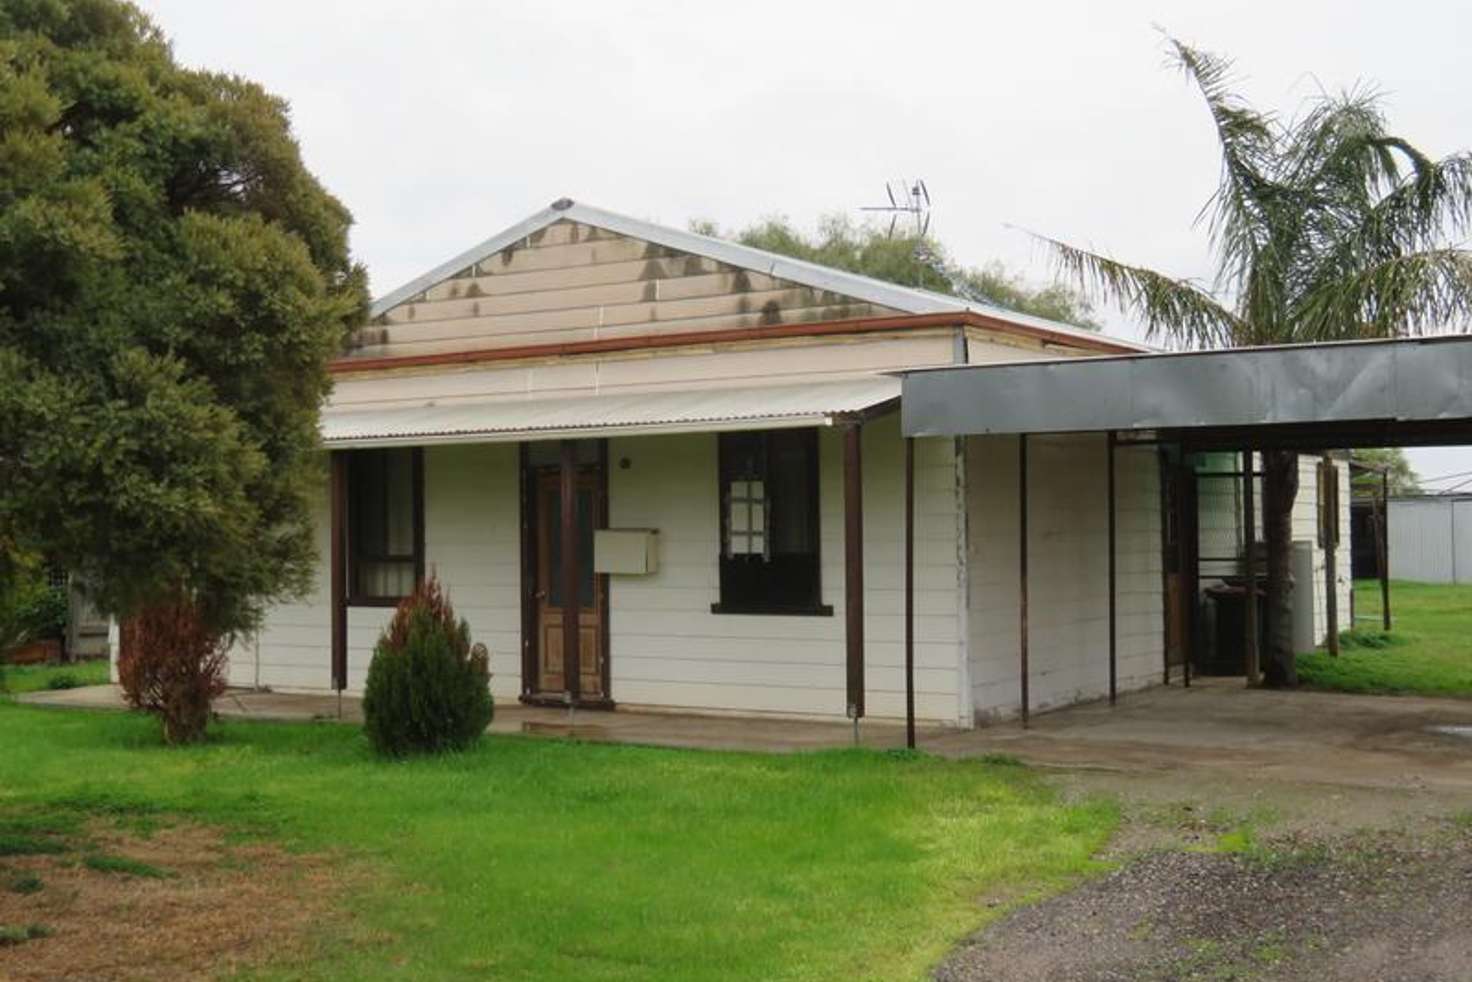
[550, 680]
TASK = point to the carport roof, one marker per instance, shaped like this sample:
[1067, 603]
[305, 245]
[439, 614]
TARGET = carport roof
[1357, 393]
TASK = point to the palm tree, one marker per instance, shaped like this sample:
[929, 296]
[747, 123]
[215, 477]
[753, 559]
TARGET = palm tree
[1325, 227]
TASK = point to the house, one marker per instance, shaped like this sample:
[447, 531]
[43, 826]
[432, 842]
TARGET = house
[700, 442]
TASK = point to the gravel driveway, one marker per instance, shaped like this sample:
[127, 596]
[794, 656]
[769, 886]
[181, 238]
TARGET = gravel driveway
[1391, 905]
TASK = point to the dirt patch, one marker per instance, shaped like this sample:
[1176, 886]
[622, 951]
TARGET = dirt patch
[171, 902]
[1380, 905]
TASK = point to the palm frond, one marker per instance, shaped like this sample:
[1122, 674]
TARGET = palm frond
[1236, 214]
[1413, 293]
[1430, 209]
[1339, 146]
[1430, 205]
[1176, 311]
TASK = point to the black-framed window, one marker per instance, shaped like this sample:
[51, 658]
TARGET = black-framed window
[770, 557]
[385, 524]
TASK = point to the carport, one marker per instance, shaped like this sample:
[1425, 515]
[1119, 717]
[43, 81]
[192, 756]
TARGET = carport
[1305, 398]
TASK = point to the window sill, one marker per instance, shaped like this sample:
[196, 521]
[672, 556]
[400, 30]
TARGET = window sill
[374, 601]
[814, 610]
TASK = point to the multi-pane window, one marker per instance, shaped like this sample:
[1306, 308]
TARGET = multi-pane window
[746, 518]
[385, 524]
[769, 522]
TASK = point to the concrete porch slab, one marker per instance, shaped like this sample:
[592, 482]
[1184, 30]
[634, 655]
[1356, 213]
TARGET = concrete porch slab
[1216, 726]
[234, 704]
[650, 728]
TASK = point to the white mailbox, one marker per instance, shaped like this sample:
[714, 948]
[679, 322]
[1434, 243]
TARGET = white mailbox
[628, 551]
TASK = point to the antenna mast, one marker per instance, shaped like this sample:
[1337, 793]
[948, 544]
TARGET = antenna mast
[911, 200]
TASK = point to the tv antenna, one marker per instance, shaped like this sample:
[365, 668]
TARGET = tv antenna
[910, 200]
[906, 198]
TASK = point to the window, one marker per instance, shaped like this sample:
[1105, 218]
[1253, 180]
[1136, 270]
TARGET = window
[385, 524]
[769, 523]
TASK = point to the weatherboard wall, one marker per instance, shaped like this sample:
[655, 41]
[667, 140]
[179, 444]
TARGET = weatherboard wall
[471, 536]
[768, 363]
[669, 650]
[572, 282]
[1306, 528]
[1068, 612]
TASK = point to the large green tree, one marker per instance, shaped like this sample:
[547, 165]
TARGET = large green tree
[1390, 461]
[911, 260]
[172, 284]
[1326, 226]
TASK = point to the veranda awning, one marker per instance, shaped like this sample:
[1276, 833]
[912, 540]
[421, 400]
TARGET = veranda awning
[708, 409]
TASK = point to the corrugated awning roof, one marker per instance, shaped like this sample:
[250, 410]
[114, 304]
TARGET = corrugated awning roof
[1349, 392]
[620, 414]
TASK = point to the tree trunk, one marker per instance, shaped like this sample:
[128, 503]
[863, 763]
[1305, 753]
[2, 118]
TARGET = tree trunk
[1279, 489]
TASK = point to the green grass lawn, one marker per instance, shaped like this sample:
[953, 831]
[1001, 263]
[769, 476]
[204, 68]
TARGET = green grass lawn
[547, 859]
[30, 678]
[1427, 652]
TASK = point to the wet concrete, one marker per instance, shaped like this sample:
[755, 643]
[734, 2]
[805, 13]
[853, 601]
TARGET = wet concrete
[1220, 725]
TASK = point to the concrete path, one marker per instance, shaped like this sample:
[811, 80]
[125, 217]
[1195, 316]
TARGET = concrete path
[1215, 726]
[234, 704]
[1219, 725]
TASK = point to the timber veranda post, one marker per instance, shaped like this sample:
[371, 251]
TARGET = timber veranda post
[853, 563]
[1113, 441]
[1383, 540]
[338, 575]
[1329, 536]
[910, 592]
[1249, 551]
[1022, 573]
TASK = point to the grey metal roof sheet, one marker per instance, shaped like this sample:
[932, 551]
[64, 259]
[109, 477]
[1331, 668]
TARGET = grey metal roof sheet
[685, 410]
[1420, 379]
[907, 299]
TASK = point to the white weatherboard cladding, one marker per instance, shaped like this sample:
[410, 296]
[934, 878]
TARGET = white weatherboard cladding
[1068, 623]
[668, 650]
[588, 247]
[472, 540]
[471, 537]
[290, 652]
[1306, 526]
[796, 362]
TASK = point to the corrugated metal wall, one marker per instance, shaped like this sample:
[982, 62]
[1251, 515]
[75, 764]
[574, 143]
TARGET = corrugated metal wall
[1431, 539]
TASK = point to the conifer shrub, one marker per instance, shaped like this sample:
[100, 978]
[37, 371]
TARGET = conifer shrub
[428, 690]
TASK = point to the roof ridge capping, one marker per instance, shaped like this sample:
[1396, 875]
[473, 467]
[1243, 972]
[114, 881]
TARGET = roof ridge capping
[911, 300]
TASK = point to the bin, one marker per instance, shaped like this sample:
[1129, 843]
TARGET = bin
[1225, 653]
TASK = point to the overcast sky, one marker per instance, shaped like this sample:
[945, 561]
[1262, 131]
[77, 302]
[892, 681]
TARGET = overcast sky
[441, 122]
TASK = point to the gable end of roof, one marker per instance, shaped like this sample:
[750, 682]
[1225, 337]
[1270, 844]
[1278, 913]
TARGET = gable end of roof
[880, 292]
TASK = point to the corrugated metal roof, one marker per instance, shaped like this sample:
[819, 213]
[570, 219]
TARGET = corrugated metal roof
[907, 299]
[685, 410]
[1397, 381]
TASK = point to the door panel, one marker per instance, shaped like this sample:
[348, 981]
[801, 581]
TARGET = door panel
[550, 677]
